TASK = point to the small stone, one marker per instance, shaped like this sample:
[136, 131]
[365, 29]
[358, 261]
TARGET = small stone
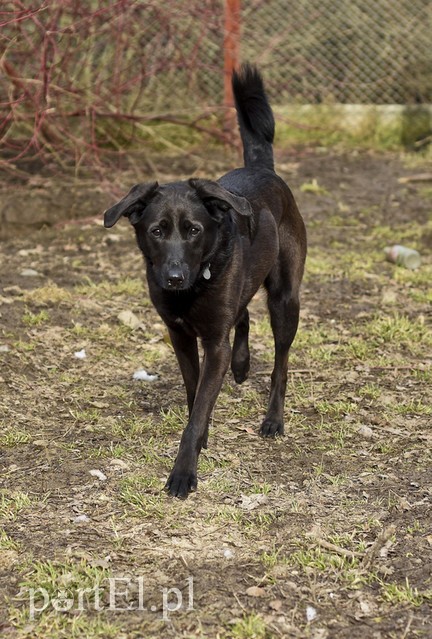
[112, 238]
[255, 591]
[99, 474]
[365, 431]
[81, 519]
[311, 613]
[29, 272]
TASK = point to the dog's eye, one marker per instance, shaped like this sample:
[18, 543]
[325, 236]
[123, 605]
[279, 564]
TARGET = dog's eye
[194, 231]
[156, 232]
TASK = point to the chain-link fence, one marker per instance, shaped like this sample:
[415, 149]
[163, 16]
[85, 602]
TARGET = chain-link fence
[362, 51]
[82, 77]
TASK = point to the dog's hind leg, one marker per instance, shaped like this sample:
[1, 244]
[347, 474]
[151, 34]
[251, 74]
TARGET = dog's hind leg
[240, 360]
[284, 308]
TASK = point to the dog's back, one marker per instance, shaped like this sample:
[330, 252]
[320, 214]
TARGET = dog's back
[255, 118]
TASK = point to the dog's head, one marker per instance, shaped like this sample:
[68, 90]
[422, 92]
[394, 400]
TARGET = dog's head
[177, 226]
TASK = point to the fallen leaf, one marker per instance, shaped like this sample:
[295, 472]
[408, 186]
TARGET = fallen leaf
[250, 502]
[129, 319]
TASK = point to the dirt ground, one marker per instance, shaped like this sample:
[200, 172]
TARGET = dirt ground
[325, 533]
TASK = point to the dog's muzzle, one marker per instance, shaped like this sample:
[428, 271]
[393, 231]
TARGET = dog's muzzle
[175, 278]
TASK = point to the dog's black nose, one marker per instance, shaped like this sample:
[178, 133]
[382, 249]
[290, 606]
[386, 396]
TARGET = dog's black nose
[175, 278]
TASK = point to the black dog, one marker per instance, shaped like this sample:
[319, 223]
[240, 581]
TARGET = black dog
[208, 247]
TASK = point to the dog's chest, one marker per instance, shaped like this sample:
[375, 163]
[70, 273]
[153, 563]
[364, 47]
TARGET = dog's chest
[199, 319]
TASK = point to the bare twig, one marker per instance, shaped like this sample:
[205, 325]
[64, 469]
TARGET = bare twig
[381, 540]
[338, 549]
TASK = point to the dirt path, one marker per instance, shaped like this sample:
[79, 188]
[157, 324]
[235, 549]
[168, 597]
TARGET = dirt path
[326, 533]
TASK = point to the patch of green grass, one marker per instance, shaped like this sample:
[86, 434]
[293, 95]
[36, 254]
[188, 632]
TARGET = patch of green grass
[245, 407]
[420, 278]
[67, 577]
[345, 540]
[261, 488]
[35, 319]
[116, 451]
[24, 347]
[398, 329]
[356, 266]
[405, 233]
[145, 497]
[336, 408]
[208, 463]
[339, 221]
[126, 287]
[13, 437]
[313, 187]
[335, 432]
[383, 447]
[6, 542]
[69, 377]
[319, 263]
[70, 586]
[173, 420]
[345, 568]
[49, 295]
[426, 192]
[221, 484]
[404, 594]
[329, 125]
[251, 626]
[370, 391]
[422, 375]
[359, 348]
[86, 415]
[272, 558]
[422, 297]
[226, 514]
[130, 428]
[260, 329]
[415, 527]
[316, 336]
[53, 625]
[11, 504]
[150, 505]
[413, 407]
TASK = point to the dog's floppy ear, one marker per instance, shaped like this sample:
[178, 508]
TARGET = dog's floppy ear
[212, 191]
[131, 205]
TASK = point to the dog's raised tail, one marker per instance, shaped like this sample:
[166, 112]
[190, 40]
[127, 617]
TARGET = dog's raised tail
[255, 117]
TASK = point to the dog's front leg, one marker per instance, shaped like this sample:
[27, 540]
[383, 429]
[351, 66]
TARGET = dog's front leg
[183, 477]
[186, 350]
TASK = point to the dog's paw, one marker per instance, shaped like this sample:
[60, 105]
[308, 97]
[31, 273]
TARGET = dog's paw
[180, 484]
[240, 369]
[240, 374]
[271, 428]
